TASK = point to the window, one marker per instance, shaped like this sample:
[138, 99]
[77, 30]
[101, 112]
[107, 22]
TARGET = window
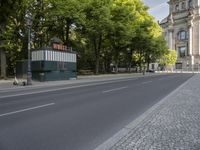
[190, 3]
[182, 35]
[177, 7]
[178, 65]
[183, 5]
[182, 51]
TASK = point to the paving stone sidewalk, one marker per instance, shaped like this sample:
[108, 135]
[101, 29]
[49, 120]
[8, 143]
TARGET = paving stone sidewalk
[172, 124]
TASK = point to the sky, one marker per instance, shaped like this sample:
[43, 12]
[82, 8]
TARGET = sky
[158, 8]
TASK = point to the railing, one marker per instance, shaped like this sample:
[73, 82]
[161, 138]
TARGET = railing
[191, 69]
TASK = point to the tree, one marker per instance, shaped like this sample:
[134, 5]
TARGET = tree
[123, 26]
[169, 59]
[102, 32]
[149, 42]
[13, 31]
[97, 24]
[65, 15]
[7, 8]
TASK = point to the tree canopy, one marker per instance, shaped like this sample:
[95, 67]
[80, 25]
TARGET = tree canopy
[169, 59]
[104, 33]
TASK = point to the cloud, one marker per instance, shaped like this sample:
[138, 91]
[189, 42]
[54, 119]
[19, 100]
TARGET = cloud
[158, 7]
[160, 11]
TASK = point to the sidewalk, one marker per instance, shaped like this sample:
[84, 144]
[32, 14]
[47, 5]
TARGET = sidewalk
[4, 84]
[171, 124]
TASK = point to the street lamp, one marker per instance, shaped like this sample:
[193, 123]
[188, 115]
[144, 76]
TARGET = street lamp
[28, 18]
[129, 58]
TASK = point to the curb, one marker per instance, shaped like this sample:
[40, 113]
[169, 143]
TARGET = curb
[78, 81]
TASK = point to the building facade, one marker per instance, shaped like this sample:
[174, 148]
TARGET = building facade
[181, 30]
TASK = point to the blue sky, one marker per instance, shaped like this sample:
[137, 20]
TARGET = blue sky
[158, 8]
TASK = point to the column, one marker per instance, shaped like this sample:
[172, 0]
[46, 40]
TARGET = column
[3, 63]
[170, 39]
[199, 37]
[190, 40]
[192, 63]
[191, 46]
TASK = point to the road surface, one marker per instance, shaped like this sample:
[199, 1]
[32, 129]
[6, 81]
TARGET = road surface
[77, 117]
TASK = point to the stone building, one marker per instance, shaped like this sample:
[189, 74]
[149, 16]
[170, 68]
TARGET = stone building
[182, 32]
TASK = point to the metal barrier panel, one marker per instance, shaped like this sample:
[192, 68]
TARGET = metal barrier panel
[48, 65]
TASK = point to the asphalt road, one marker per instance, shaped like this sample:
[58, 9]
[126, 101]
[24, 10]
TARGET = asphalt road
[77, 117]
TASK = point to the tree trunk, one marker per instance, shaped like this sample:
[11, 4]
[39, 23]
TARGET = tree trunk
[96, 56]
[148, 66]
[140, 67]
[140, 63]
[116, 68]
[147, 61]
[130, 61]
[129, 68]
[103, 67]
[97, 66]
[3, 63]
[67, 42]
[97, 47]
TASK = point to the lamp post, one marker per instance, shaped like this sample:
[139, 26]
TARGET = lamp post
[29, 24]
[129, 58]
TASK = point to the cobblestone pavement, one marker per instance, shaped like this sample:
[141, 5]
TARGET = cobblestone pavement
[174, 124]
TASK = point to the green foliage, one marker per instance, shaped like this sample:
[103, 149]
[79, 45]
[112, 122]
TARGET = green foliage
[149, 43]
[64, 16]
[103, 32]
[12, 37]
[169, 59]
[97, 25]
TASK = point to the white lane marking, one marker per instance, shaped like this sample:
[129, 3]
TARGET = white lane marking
[117, 89]
[27, 109]
[65, 88]
[147, 82]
